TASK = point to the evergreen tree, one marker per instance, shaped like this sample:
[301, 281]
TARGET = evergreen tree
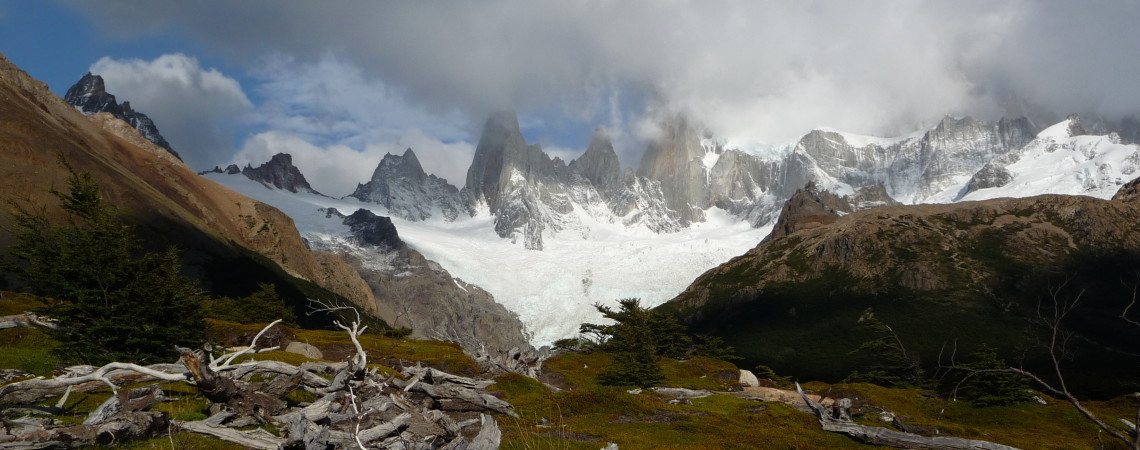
[890, 364]
[114, 302]
[263, 306]
[983, 388]
[638, 337]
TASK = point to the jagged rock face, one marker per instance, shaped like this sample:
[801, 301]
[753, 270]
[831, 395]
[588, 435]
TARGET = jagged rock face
[90, 96]
[676, 161]
[812, 206]
[808, 208]
[915, 168]
[280, 173]
[371, 229]
[400, 185]
[524, 188]
[991, 175]
[600, 163]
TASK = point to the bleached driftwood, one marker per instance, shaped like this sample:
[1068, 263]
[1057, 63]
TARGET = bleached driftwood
[841, 423]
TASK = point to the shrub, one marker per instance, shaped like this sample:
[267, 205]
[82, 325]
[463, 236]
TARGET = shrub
[114, 301]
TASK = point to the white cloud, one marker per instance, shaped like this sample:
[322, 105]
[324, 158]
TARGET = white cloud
[336, 169]
[332, 101]
[196, 109]
[756, 70]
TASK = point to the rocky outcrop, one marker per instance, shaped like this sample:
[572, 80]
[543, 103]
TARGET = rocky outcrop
[374, 230]
[676, 161]
[600, 163]
[412, 291]
[231, 169]
[808, 208]
[280, 173]
[400, 185]
[990, 176]
[90, 96]
[524, 188]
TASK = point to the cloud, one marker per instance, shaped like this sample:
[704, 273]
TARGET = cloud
[330, 100]
[196, 109]
[336, 169]
[759, 70]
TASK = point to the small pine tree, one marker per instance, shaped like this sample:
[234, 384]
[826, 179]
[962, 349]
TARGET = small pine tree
[633, 369]
[890, 365]
[990, 388]
[262, 306]
[113, 301]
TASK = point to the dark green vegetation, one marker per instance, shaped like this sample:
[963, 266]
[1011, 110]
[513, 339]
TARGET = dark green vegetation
[587, 414]
[988, 273]
[263, 306]
[113, 301]
[638, 339]
[118, 301]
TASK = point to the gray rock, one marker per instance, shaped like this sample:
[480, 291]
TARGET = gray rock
[990, 176]
[305, 350]
[747, 378]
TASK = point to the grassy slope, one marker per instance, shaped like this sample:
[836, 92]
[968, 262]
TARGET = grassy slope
[589, 415]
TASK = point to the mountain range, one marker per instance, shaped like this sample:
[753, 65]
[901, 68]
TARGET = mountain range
[597, 231]
[522, 252]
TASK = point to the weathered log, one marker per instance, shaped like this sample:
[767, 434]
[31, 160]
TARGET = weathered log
[131, 425]
[258, 439]
[111, 375]
[385, 429]
[892, 438]
[437, 376]
[223, 390]
[250, 368]
[27, 320]
[682, 392]
[485, 401]
[489, 435]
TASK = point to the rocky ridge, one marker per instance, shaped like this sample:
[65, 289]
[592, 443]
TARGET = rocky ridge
[400, 185]
[89, 95]
[280, 173]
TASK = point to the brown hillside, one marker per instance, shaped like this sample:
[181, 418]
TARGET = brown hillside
[37, 129]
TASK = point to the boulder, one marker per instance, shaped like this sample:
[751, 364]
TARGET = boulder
[305, 350]
[747, 378]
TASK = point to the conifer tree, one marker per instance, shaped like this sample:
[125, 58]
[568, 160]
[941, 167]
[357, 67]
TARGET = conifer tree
[114, 301]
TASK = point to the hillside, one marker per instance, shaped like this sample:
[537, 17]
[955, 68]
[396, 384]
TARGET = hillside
[941, 275]
[229, 242]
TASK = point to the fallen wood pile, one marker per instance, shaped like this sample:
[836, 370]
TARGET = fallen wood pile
[353, 406]
[838, 420]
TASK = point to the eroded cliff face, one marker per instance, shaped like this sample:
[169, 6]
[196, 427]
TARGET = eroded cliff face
[412, 291]
[170, 202]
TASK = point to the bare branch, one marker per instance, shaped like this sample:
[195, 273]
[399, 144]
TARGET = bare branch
[223, 362]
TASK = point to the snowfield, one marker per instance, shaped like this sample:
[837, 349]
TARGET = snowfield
[553, 290]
